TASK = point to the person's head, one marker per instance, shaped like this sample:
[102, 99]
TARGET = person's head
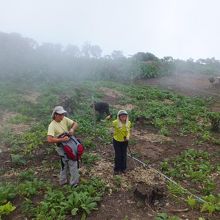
[58, 113]
[122, 116]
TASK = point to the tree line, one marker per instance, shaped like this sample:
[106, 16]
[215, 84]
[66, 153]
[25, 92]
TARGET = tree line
[22, 57]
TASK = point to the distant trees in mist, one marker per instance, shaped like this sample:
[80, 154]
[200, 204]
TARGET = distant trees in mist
[22, 57]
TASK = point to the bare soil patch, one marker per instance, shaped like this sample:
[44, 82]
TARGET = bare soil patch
[215, 107]
[110, 92]
[126, 107]
[186, 84]
[148, 136]
[31, 97]
[104, 169]
[120, 206]
[111, 95]
[16, 128]
[4, 117]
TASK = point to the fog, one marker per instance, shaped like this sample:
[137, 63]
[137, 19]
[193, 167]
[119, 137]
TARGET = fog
[177, 28]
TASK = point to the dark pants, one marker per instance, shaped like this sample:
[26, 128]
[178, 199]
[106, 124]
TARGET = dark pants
[120, 155]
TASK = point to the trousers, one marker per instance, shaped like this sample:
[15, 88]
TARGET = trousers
[120, 155]
[71, 167]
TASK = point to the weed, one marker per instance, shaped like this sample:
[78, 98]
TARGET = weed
[191, 202]
[28, 208]
[90, 159]
[89, 143]
[117, 181]
[176, 189]
[30, 188]
[164, 216]
[26, 175]
[8, 192]
[212, 204]
[17, 159]
[19, 119]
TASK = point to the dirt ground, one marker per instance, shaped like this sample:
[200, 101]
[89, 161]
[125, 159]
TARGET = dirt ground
[186, 84]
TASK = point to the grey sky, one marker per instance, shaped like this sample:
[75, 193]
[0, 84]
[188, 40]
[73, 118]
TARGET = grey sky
[178, 28]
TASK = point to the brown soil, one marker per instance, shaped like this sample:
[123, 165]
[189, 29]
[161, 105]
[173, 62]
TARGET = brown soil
[121, 205]
[126, 107]
[110, 92]
[186, 84]
[5, 125]
[16, 128]
[31, 97]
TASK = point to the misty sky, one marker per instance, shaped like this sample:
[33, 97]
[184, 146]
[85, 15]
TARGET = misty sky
[178, 28]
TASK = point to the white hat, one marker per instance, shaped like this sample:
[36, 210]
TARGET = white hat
[58, 110]
[122, 112]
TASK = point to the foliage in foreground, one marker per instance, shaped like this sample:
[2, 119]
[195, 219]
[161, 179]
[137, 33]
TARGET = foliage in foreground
[165, 111]
[57, 203]
[194, 167]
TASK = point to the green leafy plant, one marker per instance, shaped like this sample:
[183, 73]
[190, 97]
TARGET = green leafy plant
[18, 159]
[164, 216]
[215, 120]
[117, 181]
[6, 209]
[191, 202]
[8, 192]
[212, 204]
[19, 119]
[192, 165]
[28, 208]
[57, 204]
[26, 175]
[30, 188]
[176, 189]
[90, 159]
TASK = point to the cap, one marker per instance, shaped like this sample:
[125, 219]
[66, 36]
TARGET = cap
[58, 110]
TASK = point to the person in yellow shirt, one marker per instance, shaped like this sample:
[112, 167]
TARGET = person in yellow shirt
[121, 136]
[59, 125]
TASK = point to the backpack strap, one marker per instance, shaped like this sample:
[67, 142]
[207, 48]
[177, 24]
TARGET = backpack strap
[75, 141]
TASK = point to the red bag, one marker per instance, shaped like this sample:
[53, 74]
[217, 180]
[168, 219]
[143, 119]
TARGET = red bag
[73, 148]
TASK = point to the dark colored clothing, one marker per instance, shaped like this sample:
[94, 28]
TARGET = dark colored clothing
[120, 155]
[102, 107]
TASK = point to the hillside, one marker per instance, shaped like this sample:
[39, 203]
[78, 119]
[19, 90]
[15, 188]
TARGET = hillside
[170, 133]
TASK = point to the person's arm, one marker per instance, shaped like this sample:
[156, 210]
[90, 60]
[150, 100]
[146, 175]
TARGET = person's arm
[111, 130]
[129, 132]
[73, 128]
[52, 139]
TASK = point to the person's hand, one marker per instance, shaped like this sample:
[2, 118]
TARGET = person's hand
[126, 138]
[66, 138]
[71, 132]
[108, 117]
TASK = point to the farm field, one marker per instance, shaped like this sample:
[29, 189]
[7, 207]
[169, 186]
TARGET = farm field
[175, 130]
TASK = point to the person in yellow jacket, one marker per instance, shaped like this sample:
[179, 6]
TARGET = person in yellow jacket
[121, 136]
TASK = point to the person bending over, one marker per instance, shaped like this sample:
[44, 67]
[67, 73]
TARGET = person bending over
[102, 110]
